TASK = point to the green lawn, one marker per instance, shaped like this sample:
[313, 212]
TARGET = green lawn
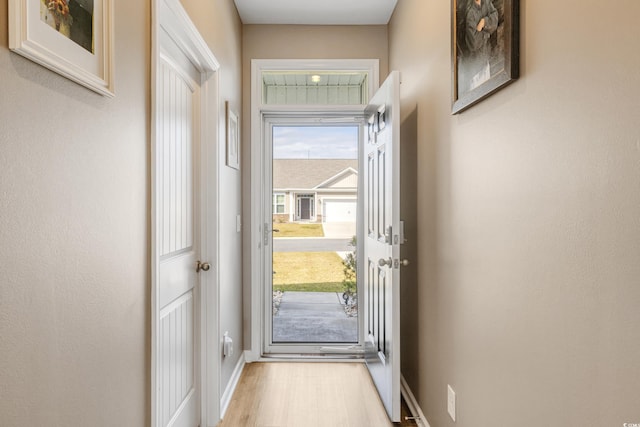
[290, 229]
[307, 271]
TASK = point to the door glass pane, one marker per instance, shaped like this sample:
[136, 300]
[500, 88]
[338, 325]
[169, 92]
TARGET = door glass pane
[315, 192]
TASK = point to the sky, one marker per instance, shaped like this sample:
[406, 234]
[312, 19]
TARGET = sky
[315, 142]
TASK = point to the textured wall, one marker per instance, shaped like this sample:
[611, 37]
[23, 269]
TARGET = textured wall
[74, 285]
[74, 221]
[529, 233]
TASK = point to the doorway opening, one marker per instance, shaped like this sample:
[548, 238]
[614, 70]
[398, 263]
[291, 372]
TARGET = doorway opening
[314, 183]
[378, 205]
[305, 195]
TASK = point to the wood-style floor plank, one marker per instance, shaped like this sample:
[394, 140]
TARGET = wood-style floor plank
[276, 394]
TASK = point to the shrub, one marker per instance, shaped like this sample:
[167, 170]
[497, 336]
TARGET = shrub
[349, 283]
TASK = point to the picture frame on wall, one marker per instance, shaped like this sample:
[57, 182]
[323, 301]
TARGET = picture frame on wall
[485, 49]
[232, 137]
[73, 38]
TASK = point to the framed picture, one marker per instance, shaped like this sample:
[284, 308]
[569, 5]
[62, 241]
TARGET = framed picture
[74, 38]
[233, 138]
[485, 49]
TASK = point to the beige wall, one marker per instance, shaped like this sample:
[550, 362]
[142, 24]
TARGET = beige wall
[297, 42]
[74, 230]
[74, 209]
[529, 235]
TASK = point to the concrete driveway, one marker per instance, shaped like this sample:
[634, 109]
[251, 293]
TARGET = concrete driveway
[337, 236]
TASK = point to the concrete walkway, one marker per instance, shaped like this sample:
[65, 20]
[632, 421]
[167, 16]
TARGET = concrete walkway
[313, 317]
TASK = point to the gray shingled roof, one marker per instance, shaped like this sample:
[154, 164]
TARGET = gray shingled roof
[303, 173]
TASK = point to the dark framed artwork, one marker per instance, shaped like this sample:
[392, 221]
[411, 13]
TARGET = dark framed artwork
[485, 52]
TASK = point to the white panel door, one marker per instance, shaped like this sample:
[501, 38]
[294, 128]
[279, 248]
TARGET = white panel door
[382, 243]
[177, 196]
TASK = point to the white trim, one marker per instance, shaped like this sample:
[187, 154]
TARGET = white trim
[314, 190]
[335, 177]
[174, 20]
[256, 172]
[185, 34]
[231, 387]
[412, 403]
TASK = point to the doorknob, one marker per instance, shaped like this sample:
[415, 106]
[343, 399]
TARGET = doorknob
[204, 266]
[382, 262]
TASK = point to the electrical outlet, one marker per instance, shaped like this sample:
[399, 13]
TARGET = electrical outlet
[451, 402]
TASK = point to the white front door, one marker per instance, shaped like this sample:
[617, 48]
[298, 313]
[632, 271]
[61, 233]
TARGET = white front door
[382, 243]
[179, 250]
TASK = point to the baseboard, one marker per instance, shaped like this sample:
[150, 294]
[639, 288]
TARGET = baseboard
[412, 403]
[231, 387]
[250, 356]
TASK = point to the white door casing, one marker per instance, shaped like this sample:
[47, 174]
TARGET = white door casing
[256, 252]
[382, 235]
[352, 118]
[185, 366]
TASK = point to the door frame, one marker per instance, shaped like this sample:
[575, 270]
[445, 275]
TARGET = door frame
[309, 199]
[270, 349]
[258, 112]
[170, 16]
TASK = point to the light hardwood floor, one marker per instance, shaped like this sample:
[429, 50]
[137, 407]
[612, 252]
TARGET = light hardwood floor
[278, 394]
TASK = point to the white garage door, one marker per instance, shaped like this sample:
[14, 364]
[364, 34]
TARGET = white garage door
[339, 210]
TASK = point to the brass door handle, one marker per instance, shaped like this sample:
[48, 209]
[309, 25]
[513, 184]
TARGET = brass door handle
[204, 266]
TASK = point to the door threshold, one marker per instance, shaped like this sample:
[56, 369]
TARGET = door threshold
[312, 357]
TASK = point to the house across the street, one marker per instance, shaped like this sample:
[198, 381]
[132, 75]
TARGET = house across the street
[315, 190]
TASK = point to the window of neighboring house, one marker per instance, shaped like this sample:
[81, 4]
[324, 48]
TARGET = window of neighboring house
[278, 203]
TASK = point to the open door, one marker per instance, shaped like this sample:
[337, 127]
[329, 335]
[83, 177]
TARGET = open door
[382, 239]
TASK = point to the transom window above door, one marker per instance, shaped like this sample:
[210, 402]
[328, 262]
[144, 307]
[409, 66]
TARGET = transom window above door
[310, 87]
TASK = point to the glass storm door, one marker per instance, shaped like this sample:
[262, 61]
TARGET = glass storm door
[310, 275]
